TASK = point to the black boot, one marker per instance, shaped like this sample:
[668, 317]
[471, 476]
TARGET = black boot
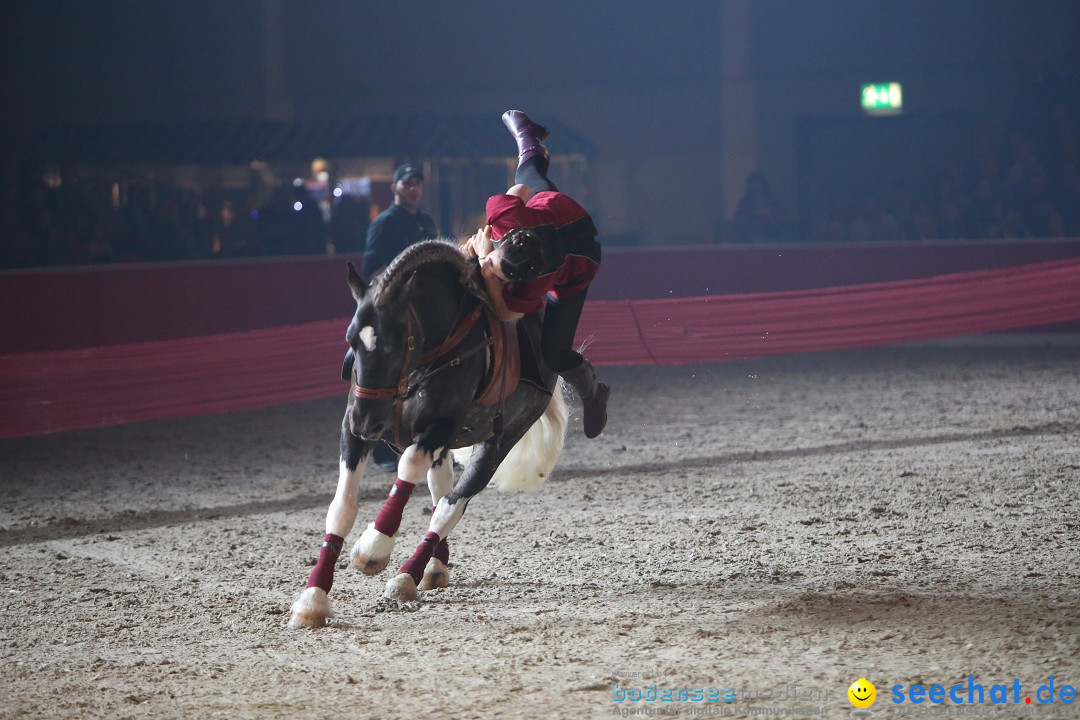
[529, 135]
[594, 396]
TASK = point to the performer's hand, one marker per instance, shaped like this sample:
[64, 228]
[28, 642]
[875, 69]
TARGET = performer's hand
[470, 245]
[484, 246]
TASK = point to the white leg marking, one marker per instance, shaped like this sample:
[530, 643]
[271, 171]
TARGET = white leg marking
[446, 516]
[414, 464]
[440, 479]
[343, 508]
[310, 609]
[371, 553]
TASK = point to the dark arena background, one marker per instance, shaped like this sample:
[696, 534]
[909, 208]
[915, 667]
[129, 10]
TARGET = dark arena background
[839, 311]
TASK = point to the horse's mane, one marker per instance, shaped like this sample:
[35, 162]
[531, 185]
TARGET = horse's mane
[385, 286]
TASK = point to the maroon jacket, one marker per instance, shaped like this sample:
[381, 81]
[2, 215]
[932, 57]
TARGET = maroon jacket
[576, 231]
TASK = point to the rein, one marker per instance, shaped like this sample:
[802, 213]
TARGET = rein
[403, 389]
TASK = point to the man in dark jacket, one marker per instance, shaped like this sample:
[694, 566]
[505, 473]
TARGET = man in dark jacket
[396, 228]
[401, 224]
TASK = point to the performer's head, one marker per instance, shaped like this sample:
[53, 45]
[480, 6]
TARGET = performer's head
[525, 253]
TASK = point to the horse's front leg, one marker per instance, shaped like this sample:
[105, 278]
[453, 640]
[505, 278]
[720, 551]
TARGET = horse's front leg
[312, 608]
[449, 509]
[372, 551]
[440, 480]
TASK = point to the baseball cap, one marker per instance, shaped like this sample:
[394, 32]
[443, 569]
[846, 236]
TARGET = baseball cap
[406, 171]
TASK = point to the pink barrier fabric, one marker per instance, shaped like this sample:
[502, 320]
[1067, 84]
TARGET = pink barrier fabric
[730, 327]
[53, 391]
[97, 387]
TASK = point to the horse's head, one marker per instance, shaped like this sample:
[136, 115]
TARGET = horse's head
[385, 339]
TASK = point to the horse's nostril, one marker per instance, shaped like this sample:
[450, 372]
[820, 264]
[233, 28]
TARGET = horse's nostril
[373, 431]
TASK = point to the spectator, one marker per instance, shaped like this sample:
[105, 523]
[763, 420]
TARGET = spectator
[923, 222]
[758, 217]
[349, 223]
[950, 209]
[400, 225]
[1007, 223]
[873, 224]
[394, 229]
[902, 207]
[309, 227]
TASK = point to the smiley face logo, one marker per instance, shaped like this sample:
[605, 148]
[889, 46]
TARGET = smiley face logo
[862, 693]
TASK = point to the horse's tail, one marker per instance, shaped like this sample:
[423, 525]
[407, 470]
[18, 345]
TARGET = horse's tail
[532, 459]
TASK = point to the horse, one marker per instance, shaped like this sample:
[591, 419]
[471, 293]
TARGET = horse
[434, 373]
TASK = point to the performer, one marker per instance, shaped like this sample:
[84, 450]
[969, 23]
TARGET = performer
[539, 251]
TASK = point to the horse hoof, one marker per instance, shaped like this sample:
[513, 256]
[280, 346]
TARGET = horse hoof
[436, 575]
[371, 553]
[401, 588]
[310, 609]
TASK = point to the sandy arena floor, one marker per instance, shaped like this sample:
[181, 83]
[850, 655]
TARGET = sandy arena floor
[780, 527]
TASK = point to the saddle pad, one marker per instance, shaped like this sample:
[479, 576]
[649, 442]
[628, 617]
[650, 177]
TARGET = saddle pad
[505, 366]
[511, 362]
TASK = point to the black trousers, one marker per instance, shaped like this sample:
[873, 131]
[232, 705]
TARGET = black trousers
[533, 172]
[557, 334]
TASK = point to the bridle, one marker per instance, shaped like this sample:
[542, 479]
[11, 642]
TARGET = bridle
[402, 390]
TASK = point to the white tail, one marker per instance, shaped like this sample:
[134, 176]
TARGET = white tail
[532, 459]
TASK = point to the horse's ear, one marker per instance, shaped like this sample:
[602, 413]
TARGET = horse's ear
[356, 283]
[409, 290]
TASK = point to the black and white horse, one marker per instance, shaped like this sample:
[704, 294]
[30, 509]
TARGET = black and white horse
[426, 379]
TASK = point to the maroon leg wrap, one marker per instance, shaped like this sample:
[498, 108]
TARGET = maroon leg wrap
[419, 560]
[442, 550]
[388, 519]
[323, 574]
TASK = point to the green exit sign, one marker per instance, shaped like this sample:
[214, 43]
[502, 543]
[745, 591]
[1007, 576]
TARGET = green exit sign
[882, 98]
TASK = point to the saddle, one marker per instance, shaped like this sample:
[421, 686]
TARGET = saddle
[513, 357]
[513, 353]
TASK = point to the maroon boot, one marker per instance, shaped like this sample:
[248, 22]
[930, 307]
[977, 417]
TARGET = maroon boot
[594, 396]
[529, 135]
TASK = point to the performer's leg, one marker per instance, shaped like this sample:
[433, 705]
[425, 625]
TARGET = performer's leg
[557, 344]
[533, 157]
[557, 337]
[533, 172]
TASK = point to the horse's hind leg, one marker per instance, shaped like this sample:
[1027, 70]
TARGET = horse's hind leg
[372, 551]
[312, 608]
[403, 587]
[440, 482]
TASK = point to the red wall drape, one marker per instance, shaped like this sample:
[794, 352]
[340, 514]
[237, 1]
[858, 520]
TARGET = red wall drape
[59, 308]
[57, 390]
